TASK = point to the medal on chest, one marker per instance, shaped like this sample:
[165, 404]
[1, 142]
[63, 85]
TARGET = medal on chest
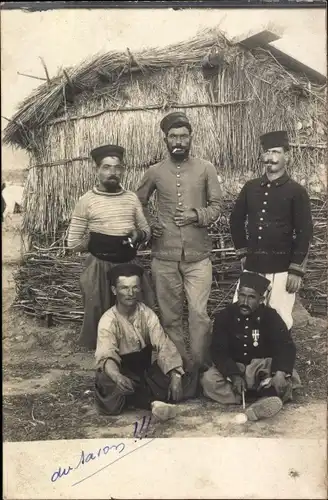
[255, 336]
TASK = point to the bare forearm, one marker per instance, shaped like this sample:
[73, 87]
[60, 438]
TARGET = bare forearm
[111, 369]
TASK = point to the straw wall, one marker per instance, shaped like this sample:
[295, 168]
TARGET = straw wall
[228, 109]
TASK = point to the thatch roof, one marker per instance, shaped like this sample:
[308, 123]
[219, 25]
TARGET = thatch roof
[55, 98]
[231, 95]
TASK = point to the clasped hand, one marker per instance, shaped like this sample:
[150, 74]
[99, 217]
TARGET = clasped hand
[185, 217]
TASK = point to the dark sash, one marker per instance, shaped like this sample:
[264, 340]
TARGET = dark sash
[111, 248]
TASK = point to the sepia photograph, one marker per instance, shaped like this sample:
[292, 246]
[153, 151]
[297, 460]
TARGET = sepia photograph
[164, 226]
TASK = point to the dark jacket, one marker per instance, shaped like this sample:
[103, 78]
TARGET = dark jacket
[279, 225]
[233, 341]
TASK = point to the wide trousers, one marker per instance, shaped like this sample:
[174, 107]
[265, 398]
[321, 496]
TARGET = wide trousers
[278, 298]
[98, 298]
[152, 385]
[218, 388]
[173, 282]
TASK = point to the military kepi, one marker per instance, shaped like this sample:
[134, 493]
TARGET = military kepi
[102, 152]
[255, 281]
[175, 119]
[278, 139]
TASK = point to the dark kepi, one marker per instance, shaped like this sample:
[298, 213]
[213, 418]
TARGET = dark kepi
[254, 281]
[277, 139]
[102, 152]
[175, 119]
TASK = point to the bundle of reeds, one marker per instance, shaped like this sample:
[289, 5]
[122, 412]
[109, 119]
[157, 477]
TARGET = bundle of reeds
[48, 284]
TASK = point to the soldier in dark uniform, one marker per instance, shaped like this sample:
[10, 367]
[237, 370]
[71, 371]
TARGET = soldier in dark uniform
[279, 225]
[252, 350]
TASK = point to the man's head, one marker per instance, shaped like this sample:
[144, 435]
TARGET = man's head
[178, 134]
[252, 288]
[126, 283]
[109, 160]
[275, 147]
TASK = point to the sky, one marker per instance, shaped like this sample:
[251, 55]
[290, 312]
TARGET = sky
[67, 37]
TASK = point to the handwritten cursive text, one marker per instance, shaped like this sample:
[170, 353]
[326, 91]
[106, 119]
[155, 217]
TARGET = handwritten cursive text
[86, 458]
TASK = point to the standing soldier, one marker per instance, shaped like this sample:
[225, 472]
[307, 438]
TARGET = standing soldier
[279, 226]
[188, 196]
[109, 223]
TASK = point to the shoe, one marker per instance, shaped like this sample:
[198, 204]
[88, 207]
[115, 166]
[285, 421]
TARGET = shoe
[264, 408]
[163, 411]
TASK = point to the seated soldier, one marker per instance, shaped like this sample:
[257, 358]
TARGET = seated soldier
[128, 333]
[252, 350]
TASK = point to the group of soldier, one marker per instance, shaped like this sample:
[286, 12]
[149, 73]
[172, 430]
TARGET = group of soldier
[247, 353]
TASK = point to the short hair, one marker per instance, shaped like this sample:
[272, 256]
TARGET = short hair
[126, 270]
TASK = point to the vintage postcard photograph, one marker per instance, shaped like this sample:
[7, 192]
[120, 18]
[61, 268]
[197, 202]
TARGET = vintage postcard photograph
[164, 253]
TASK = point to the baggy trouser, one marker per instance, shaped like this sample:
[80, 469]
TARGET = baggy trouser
[218, 388]
[151, 386]
[173, 282]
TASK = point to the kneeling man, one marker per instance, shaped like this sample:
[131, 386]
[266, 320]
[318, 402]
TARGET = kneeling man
[252, 350]
[129, 333]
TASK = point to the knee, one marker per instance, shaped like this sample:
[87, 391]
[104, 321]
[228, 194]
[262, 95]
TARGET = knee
[209, 379]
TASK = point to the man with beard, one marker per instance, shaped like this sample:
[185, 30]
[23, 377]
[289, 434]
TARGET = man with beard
[252, 353]
[279, 225]
[188, 200]
[127, 373]
[109, 223]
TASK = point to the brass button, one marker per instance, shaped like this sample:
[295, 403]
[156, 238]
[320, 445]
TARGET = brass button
[178, 185]
[179, 194]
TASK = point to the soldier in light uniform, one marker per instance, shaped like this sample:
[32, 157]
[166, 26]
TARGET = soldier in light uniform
[279, 225]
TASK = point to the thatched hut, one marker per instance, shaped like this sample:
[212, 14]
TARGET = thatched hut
[232, 93]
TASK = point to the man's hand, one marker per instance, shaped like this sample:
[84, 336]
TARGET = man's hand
[238, 384]
[185, 217]
[242, 263]
[293, 283]
[279, 382]
[175, 387]
[124, 384]
[156, 230]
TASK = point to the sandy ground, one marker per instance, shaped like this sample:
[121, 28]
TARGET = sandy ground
[48, 386]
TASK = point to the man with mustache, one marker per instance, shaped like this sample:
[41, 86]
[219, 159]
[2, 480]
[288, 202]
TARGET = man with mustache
[109, 223]
[279, 226]
[188, 201]
[252, 352]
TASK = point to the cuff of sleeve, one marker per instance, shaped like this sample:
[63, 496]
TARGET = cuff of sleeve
[241, 252]
[296, 269]
[200, 218]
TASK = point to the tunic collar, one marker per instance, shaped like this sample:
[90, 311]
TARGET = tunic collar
[277, 182]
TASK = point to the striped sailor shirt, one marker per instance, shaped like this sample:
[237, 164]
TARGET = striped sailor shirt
[112, 214]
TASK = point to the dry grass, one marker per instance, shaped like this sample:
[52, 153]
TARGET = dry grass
[56, 129]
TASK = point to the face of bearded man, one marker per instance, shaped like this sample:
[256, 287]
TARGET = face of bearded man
[110, 173]
[248, 300]
[178, 142]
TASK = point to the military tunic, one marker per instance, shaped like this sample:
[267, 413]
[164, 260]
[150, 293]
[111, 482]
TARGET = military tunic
[240, 339]
[279, 225]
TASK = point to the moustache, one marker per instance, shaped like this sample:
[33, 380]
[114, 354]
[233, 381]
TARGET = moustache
[113, 178]
[271, 163]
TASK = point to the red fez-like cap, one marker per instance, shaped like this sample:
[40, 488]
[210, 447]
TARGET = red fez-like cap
[278, 139]
[102, 152]
[255, 281]
[175, 119]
